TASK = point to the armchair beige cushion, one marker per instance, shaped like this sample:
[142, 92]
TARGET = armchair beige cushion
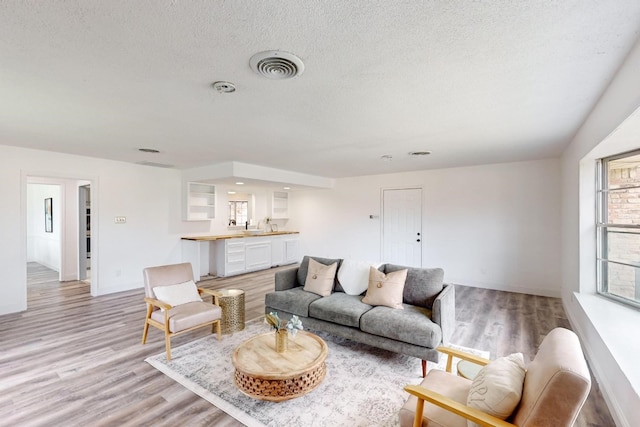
[556, 385]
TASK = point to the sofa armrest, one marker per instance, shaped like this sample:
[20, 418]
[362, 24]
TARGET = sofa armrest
[444, 311]
[286, 279]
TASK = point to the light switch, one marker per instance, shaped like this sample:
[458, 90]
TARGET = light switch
[120, 219]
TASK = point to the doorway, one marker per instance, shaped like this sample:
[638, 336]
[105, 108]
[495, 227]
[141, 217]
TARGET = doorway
[84, 232]
[402, 226]
[69, 228]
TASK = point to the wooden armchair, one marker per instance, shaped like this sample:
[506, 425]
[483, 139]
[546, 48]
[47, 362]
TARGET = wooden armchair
[177, 283]
[556, 385]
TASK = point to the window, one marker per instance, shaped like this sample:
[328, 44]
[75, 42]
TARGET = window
[618, 227]
[238, 212]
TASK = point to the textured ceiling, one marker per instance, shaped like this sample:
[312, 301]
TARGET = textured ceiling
[474, 82]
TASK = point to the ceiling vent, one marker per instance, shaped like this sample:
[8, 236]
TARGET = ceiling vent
[276, 65]
[156, 165]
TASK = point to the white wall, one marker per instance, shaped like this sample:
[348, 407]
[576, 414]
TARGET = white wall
[494, 226]
[149, 198]
[610, 341]
[42, 247]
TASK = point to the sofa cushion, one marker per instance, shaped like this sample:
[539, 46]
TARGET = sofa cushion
[385, 289]
[320, 278]
[422, 285]
[304, 268]
[353, 276]
[295, 301]
[412, 325]
[339, 308]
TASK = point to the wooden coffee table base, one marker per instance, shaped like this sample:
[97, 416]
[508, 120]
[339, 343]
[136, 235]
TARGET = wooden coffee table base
[262, 373]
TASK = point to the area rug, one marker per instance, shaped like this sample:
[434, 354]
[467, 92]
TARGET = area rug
[363, 385]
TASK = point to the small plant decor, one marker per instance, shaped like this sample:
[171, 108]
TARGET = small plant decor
[293, 325]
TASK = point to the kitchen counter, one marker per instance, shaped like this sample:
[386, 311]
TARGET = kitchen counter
[230, 254]
[236, 236]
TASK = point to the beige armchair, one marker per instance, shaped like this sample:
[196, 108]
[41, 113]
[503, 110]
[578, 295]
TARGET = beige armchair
[178, 318]
[556, 385]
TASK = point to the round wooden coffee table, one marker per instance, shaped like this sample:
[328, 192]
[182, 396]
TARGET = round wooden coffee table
[262, 373]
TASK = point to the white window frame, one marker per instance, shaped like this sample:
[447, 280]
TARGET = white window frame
[602, 227]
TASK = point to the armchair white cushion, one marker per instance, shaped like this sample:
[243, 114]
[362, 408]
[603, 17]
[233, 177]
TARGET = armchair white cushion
[178, 294]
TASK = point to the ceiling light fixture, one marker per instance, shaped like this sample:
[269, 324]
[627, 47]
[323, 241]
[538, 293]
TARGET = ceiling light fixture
[239, 183]
[231, 192]
[286, 188]
[276, 65]
[149, 150]
[224, 87]
[419, 153]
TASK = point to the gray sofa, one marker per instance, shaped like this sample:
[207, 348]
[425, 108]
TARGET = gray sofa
[427, 320]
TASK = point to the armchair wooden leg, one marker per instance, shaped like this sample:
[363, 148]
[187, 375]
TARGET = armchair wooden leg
[218, 330]
[424, 368]
[417, 421]
[144, 332]
[167, 343]
[146, 324]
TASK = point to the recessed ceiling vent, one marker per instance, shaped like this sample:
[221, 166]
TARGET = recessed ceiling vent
[276, 65]
[155, 165]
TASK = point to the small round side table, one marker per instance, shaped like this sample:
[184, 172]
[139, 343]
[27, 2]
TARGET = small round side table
[232, 305]
[467, 369]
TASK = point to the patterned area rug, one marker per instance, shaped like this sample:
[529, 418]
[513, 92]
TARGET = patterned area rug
[363, 385]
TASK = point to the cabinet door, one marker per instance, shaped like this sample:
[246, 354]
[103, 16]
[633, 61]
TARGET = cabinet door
[258, 255]
[291, 250]
[234, 258]
[277, 251]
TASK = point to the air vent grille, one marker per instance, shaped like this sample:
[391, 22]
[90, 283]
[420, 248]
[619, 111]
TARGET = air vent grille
[276, 65]
[157, 165]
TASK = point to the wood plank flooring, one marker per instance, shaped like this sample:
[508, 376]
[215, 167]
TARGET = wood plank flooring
[74, 360]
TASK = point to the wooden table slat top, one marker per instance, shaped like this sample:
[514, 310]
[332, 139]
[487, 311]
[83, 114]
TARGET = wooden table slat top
[258, 356]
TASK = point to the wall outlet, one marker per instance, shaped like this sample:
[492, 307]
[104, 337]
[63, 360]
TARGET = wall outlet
[120, 219]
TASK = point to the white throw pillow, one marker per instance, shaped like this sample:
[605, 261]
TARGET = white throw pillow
[181, 293]
[354, 276]
[497, 389]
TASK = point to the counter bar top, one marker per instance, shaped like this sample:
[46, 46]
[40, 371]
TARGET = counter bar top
[237, 236]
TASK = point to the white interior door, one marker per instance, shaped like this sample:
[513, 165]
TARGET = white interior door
[402, 227]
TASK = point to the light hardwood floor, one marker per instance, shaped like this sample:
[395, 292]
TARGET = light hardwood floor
[74, 360]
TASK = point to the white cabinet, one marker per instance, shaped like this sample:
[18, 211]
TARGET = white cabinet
[230, 257]
[257, 254]
[291, 248]
[246, 254]
[199, 201]
[277, 250]
[280, 205]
